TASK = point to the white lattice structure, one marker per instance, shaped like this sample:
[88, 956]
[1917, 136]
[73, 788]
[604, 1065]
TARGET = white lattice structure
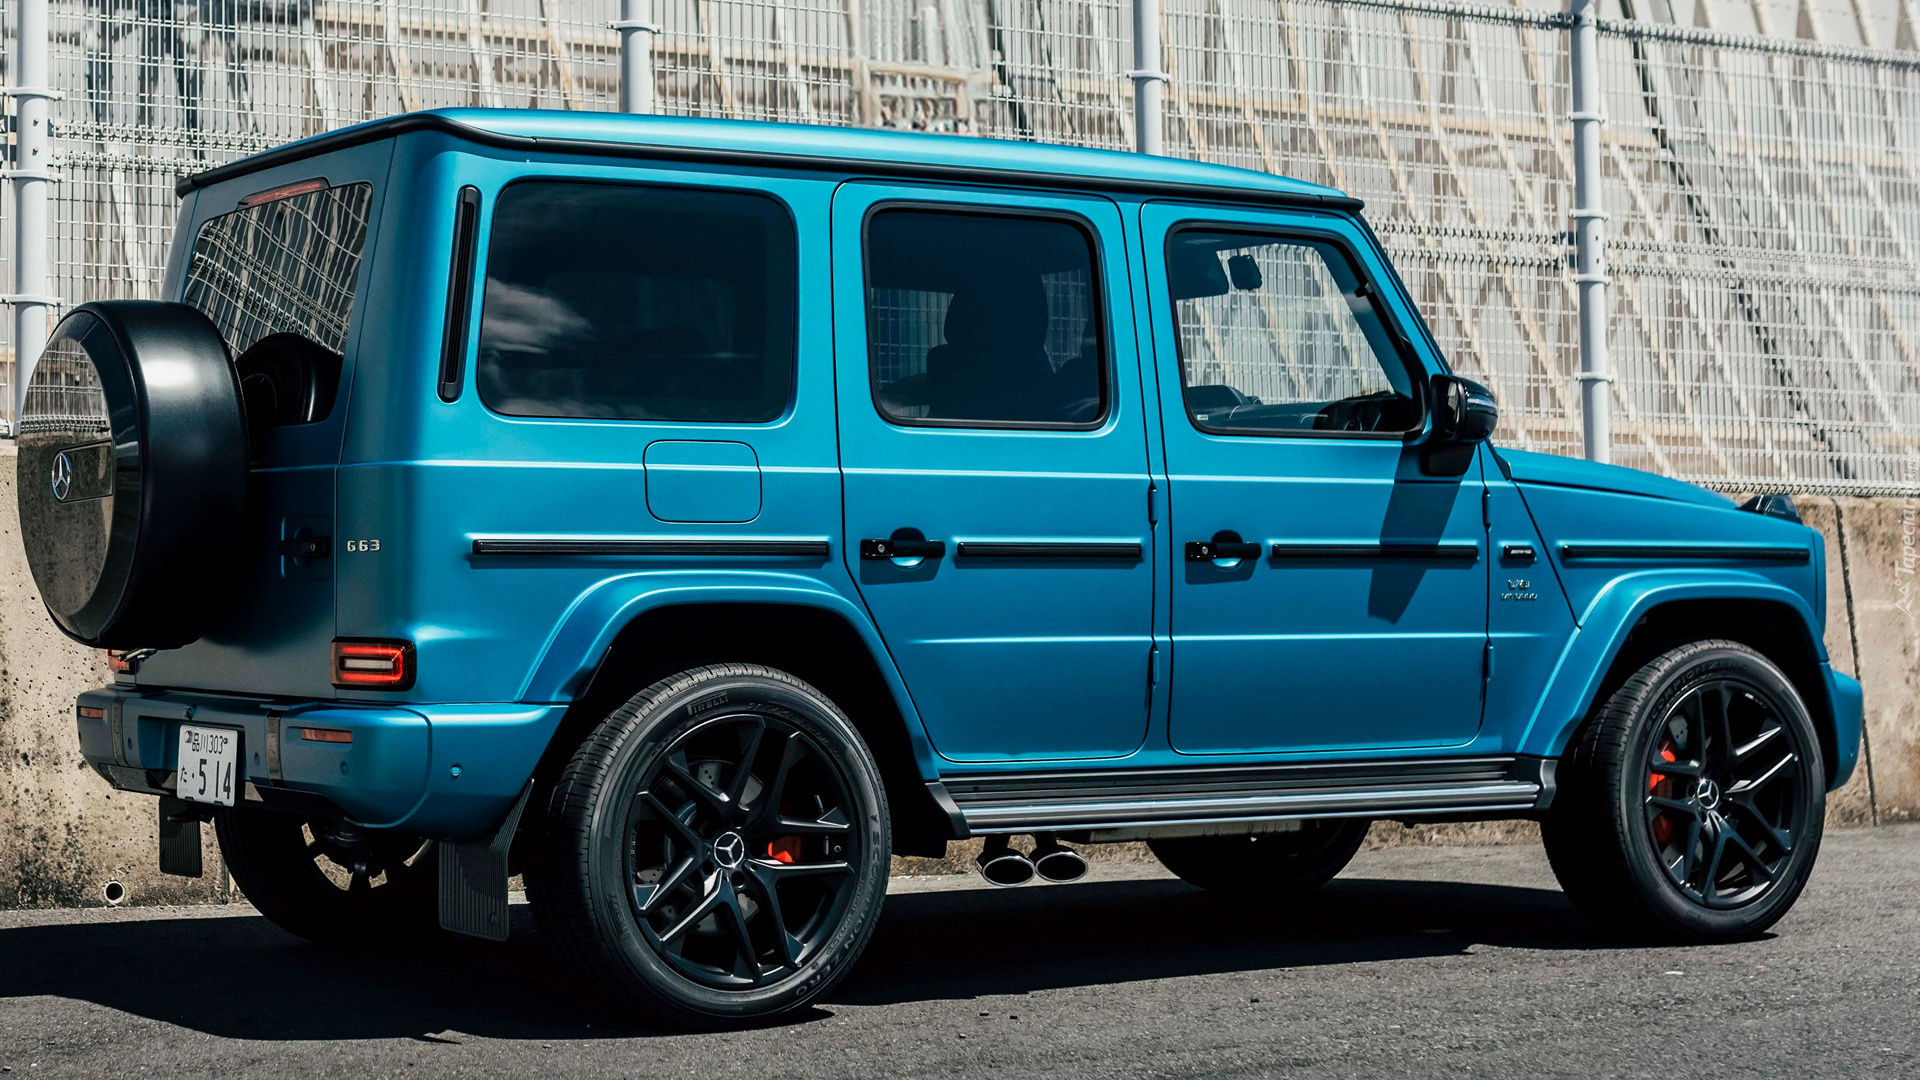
[1762, 161]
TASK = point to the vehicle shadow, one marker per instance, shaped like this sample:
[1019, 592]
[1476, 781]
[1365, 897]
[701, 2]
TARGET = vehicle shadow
[244, 978]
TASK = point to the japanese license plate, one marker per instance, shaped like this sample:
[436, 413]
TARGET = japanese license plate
[208, 759]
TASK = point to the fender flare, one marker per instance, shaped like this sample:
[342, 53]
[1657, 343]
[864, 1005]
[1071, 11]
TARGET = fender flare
[587, 630]
[1603, 629]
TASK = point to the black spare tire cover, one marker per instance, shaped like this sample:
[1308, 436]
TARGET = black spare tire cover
[133, 475]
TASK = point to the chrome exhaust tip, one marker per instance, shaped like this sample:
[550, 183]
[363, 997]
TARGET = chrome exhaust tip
[1057, 864]
[1003, 866]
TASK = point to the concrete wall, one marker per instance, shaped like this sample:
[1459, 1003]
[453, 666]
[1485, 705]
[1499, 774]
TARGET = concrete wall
[1873, 632]
[64, 834]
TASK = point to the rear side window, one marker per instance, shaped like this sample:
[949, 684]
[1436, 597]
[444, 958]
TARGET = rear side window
[278, 278]
[625, 302]
[984, 320]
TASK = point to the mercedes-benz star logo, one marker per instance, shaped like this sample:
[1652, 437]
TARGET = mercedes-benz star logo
[62, 476]
[729, 850]
[1709, 795]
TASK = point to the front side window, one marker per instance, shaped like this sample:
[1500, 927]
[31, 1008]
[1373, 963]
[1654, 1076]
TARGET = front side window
[1282, 336]
[983, 320]
[623, 302]
[278, 279]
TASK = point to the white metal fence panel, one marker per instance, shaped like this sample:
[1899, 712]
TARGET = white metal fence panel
[1450, 122]
[1765, 196]
[1765, 193]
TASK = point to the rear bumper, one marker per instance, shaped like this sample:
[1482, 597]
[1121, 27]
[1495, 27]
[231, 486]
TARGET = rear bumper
[445, 771]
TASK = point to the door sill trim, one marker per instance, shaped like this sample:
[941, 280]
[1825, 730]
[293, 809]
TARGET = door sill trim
[1182, 795]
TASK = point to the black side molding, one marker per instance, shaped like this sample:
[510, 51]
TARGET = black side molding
[811, 549]
[1464, 550]
[1690, 551]
[1046, 549]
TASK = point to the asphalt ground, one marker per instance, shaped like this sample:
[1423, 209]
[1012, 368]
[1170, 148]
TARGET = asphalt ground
[1415, 962]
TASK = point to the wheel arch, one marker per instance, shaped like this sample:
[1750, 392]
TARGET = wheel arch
[1636, 619]
[796, 625]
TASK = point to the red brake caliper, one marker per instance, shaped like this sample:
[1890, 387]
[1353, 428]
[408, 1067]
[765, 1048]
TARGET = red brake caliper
[1661, 784]
[784, 850]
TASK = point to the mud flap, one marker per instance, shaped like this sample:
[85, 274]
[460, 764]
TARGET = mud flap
[473, 879]
[179, 837]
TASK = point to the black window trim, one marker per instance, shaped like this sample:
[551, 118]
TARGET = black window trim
[1101, 308]
[1403, 345]
[793, 225]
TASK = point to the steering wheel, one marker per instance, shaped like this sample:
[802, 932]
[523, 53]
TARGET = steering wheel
[1362, 412]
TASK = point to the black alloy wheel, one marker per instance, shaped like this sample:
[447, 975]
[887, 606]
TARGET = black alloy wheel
[1692, 802]
[716, 851]
[333, 882]
[740, 849]
[1721, 804]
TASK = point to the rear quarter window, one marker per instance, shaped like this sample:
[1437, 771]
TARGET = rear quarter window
[632, 302]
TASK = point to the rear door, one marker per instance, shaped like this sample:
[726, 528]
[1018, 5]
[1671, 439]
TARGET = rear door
[994, 457]
[1331, 594]
[277, 260]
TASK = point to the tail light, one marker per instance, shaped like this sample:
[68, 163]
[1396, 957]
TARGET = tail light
[373, 665]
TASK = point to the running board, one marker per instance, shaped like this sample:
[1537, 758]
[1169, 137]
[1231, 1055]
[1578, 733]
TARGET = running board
[1143, 798]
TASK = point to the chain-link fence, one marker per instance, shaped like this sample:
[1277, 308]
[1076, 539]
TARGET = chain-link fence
[1764, 192]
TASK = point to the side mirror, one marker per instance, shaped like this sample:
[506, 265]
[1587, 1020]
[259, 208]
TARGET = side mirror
[1464, 414]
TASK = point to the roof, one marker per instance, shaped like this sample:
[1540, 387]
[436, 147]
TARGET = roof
[803, 146]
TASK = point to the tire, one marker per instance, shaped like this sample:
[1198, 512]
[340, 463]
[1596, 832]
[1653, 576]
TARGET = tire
[132, 489]
[337, 887]
[716, 851]
[1280, 865]
[1705, 754]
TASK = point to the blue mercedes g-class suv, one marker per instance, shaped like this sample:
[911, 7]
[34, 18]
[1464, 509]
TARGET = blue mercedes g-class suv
[688, 514]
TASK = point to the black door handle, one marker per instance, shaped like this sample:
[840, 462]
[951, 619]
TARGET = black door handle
[1209, 550]
[902, 549]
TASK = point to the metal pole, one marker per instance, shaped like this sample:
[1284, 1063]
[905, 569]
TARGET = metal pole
[1590, 272]
[636, 28]
[30, 176]
[1149, 82]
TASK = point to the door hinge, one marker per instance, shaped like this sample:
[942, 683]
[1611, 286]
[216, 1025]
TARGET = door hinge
[1153, 503]
[1486, 663]
[1486, 507]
